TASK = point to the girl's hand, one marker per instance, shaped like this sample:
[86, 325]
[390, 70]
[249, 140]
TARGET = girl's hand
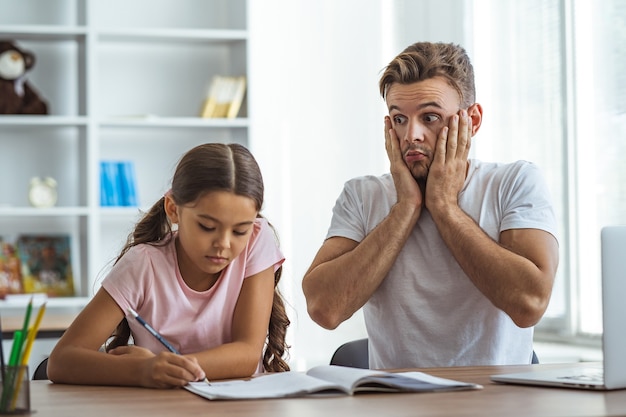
[164, 370]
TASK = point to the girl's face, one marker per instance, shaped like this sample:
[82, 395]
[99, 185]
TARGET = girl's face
[211, 233]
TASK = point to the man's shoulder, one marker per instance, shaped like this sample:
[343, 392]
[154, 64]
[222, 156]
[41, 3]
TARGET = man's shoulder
[502, 166]
[502, 169]
[366, 181]
[370, 187]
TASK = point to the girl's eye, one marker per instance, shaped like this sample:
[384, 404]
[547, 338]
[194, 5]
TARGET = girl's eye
[240, 232]
[206, 228]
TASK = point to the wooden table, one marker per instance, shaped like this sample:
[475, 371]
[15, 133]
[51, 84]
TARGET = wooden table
[56, 400]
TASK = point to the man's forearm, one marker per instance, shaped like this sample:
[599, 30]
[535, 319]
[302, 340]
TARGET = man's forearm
[338, 284]
[507, 276]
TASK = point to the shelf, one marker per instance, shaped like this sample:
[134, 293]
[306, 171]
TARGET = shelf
[130, 121]
[39, 212]
[26, 120]
[51, 302]
[121, 84]
[172, 35]
[122, 211]
[153, 121]
[43, 32]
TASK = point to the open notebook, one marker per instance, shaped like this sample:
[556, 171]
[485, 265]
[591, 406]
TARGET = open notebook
[612, 373]
[325, 380]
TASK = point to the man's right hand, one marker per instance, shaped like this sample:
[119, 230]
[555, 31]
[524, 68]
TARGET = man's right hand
[407, 189]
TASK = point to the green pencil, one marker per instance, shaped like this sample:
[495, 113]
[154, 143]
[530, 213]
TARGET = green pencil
[29, 310]
[7, 384]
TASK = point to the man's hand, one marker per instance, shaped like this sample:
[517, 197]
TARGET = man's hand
[406, 187]
[449, 167]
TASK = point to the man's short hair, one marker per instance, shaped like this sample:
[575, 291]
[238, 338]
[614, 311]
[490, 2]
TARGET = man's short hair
[425, 60]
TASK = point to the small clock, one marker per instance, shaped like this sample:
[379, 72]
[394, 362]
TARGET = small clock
[43, 192]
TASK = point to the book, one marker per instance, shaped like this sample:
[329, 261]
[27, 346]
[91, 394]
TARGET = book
[325, 380]
[208, 107]
[109, 184]
[46, 264]
[225, 97]
[118, 184]
[10, 270]
[238, 92]
[128, 183]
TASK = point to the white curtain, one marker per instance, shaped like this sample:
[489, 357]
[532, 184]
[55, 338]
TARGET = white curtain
[551, 77]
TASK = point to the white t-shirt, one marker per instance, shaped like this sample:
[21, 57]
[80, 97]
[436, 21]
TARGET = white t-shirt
[427, 312]
[147, 279]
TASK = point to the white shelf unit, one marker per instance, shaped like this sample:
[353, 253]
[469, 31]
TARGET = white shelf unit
[125, 81]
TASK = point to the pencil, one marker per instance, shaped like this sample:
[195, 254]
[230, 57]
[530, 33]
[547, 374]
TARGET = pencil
[28, 346]
[153, 332]
[157, 335]
[32, 334]
[29, 309]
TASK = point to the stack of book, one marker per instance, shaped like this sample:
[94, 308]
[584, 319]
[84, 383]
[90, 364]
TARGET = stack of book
[118, 184]
[225, 97]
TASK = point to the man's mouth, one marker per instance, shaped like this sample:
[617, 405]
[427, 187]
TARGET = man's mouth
[414, 156]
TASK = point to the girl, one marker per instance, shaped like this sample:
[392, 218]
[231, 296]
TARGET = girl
[208, 285]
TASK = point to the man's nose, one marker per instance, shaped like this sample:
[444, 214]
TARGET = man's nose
[414, 132]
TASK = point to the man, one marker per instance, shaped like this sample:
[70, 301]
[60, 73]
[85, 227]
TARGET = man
[453, 259]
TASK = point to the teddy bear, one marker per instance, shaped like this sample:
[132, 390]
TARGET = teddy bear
[16, 94]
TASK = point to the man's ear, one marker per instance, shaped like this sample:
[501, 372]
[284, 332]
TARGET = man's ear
[171, 209]
[475, 111]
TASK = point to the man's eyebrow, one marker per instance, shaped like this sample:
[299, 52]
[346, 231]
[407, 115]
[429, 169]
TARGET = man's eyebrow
[208, 217]
[420, 106]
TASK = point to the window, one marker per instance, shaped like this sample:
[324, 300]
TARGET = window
[551, 75]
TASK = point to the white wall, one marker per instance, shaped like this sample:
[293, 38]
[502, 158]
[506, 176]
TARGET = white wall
[317, 120]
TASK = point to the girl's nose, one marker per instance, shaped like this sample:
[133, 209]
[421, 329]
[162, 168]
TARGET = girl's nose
[223, 241]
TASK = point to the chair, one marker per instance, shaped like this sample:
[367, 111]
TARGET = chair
[356, 355]
[41, 372]
[535, 358]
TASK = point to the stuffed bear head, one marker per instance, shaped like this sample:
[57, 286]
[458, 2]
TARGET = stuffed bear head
[16, 94]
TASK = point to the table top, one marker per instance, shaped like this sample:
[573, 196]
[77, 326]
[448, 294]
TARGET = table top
[58, 400]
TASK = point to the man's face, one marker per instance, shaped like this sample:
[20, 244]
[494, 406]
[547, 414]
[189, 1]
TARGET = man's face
[418, 112]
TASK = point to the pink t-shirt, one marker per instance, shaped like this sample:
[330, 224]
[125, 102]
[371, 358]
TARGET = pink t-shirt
[147, 279]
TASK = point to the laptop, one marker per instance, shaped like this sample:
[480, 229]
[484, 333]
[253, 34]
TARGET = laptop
[611, 374]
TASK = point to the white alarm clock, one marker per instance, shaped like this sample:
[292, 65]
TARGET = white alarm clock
[43, 192]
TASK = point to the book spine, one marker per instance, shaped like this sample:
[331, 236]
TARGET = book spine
[104, 193]
[109, 184]
[237, 98]
[128, 183]
[118, 184]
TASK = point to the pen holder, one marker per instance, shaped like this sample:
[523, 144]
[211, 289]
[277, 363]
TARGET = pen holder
[15, 390]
